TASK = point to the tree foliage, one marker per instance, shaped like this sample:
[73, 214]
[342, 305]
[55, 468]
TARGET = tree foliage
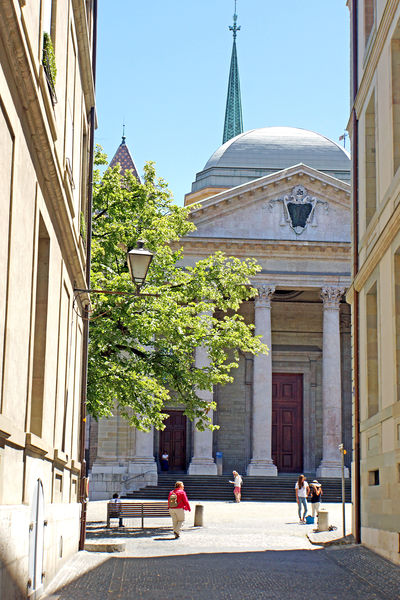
[142, 348]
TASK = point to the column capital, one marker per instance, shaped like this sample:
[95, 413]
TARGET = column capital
[331, 296]
[265, 293]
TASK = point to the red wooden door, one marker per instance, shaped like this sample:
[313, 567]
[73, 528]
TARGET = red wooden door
[287, 422]
[173, 440]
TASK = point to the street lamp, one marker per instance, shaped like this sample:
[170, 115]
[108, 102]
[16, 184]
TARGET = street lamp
[139, 261]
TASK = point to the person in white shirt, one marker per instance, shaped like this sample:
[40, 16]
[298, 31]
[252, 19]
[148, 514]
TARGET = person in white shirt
[302, 490]
[164, 461]
[237, 486]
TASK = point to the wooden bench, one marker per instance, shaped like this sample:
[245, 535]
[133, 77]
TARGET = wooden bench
[134, 510]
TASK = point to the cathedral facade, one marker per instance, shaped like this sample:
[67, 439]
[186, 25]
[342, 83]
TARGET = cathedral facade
[280, 195]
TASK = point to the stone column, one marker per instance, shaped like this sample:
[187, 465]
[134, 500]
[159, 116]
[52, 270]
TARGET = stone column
[143, 463]
[261, 462]
[144, 447]
[113, 466]
[331, 385]
[202, 462]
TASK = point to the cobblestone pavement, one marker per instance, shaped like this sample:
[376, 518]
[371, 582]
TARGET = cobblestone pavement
[251, 551]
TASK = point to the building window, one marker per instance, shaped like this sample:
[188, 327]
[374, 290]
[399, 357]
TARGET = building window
[46, 16]
[83, 186]
[373, 477]
[70, 113]
[39, 344]
[64, 359]
[48, 58]
[58, 487]
[369, 18]
[370, 161]
[372, 351]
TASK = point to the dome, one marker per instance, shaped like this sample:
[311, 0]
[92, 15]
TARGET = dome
[263, 151]
[279, 148]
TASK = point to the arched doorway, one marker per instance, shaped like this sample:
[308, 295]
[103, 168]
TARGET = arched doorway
[36, 541]
[173, 440]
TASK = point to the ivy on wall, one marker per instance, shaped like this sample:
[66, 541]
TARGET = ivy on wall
[49, 59]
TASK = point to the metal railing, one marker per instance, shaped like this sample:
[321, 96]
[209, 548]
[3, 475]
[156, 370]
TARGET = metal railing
[128, 479]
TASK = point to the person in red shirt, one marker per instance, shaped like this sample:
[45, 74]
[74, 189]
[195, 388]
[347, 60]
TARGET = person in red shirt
[177, 504]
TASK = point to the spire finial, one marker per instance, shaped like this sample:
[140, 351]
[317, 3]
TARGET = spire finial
[123, 132]
[235, 27]
[233, 125]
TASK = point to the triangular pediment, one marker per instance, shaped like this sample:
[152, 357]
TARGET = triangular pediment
[298, 203]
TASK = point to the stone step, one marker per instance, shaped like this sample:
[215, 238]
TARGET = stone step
[216, 487]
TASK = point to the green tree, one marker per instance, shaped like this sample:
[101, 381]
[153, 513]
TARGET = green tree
[142, 349]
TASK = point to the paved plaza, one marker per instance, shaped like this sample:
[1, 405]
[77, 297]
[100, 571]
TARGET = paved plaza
[245, 551]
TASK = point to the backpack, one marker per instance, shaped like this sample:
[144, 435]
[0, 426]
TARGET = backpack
[173, 500]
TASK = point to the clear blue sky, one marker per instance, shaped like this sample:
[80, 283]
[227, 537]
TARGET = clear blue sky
[163, 68]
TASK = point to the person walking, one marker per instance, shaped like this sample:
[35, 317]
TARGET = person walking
[315, 497]
[177, 504]
[302, 490]
[237, 486]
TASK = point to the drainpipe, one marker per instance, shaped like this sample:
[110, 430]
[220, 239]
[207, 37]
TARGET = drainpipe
[83, 480]
[356, 332]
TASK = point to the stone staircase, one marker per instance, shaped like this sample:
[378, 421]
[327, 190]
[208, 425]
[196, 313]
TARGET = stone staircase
[255, 489]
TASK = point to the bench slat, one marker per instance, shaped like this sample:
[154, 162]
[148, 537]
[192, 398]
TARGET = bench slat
[136, 509]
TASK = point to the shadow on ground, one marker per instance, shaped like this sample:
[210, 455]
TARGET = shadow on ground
[343, 574]
[100, 532]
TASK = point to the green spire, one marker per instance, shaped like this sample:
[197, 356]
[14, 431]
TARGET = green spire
[233, 113]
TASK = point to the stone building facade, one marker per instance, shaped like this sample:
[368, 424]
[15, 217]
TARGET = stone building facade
[374, 128]
[45, 128]
[281, 196]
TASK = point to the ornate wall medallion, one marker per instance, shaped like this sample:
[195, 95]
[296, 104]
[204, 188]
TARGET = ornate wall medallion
[298, 209]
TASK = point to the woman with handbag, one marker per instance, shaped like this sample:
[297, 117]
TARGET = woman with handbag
[302, 490]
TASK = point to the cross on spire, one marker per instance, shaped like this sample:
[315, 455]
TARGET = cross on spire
[233, 113]
[235, 28]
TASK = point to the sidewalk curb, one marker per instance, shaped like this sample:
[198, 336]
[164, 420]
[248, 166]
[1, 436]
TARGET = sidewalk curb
[105, 546]
[328, 538]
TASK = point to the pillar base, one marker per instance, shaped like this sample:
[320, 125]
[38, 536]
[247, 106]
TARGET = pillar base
[262, 468]
[202, 466]
[331, 469]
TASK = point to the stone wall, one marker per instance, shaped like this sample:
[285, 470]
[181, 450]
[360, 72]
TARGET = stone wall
[233, 415]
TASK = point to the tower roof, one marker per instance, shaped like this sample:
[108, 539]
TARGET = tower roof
[124, 158]
[233, 125]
